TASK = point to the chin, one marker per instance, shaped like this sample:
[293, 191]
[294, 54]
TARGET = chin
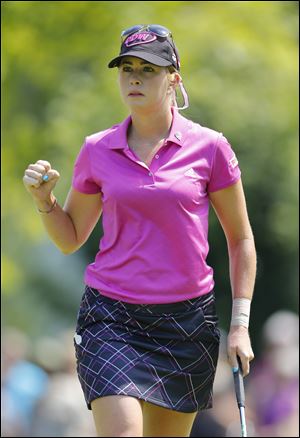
[137, 104]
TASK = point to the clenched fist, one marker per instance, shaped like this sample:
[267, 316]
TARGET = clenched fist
[39, 180]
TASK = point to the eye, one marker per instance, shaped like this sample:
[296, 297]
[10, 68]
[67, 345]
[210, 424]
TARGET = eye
[148, 69]
[126, 68]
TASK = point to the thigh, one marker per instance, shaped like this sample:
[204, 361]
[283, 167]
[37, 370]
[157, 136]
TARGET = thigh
[118, 416]
[162, 422]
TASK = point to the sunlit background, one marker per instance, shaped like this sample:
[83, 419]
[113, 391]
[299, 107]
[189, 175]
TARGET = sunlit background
[240, 68]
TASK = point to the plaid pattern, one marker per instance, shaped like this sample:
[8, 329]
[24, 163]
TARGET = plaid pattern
[165, 354]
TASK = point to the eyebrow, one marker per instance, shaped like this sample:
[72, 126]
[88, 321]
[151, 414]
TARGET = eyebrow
[130, 63]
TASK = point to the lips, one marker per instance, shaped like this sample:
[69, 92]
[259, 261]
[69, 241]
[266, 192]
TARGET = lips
[135, 93]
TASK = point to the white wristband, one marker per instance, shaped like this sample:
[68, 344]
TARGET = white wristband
[240, 312]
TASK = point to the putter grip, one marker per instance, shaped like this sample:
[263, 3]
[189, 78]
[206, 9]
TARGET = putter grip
[239, 386]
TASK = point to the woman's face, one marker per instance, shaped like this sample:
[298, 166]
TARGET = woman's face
[144, 85]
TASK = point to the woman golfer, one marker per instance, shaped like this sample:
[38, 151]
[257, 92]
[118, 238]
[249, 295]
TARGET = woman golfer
[147, 338]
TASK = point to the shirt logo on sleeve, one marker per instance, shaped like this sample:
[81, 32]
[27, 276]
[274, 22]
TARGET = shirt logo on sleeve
[233, 162]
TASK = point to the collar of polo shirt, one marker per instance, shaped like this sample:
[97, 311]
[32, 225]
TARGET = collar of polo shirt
[180, 125]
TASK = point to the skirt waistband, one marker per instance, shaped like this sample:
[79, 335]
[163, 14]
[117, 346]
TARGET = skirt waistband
[165, 308]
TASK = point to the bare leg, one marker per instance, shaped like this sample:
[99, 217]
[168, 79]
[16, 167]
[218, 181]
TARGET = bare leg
[118, 416]
[162, 422]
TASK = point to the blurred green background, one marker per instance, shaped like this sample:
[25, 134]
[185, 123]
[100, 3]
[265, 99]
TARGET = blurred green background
[240, 68]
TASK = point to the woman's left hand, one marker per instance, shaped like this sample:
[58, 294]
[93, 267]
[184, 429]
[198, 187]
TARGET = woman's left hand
[239, 344]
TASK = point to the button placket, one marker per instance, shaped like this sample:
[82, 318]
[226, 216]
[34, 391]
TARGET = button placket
[133, 157]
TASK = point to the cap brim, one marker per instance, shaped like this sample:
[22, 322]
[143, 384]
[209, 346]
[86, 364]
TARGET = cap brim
[153, 59]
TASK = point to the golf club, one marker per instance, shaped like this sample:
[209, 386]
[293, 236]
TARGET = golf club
[240, 394]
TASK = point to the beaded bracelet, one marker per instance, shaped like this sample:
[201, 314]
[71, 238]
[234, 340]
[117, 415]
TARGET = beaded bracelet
[52, 208]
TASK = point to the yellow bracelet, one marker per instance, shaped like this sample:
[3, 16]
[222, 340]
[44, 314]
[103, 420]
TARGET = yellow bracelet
[51, 209]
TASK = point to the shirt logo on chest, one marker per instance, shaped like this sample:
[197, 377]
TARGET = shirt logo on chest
[191, 172]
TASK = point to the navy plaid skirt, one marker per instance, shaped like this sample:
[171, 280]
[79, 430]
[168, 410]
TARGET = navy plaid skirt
[165, 354]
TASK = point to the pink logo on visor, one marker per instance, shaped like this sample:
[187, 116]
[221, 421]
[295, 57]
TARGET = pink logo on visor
[140, 38]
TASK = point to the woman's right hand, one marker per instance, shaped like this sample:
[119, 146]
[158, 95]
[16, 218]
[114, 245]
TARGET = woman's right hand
[33, 181]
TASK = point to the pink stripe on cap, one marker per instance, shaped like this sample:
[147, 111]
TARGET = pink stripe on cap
[140, 38]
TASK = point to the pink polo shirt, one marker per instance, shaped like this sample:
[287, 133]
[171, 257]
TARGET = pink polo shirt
[155, 219]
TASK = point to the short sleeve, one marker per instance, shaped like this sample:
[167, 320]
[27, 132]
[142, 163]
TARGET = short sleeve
[82, 180]
[225, 170]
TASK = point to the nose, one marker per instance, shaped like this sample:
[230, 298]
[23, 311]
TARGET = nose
[134, 80]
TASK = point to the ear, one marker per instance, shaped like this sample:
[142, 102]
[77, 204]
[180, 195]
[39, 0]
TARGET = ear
[174, 79]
